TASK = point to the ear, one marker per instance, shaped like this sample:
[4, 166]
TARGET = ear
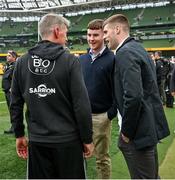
[117, 29]
[56, 32]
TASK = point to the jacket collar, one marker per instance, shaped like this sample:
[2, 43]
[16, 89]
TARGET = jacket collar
[125, 41]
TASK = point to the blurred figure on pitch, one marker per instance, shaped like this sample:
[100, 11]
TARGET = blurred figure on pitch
[172, 82]
[169, 97]
[143, 121]
[49, 80]
[162, 70]
[172, 85]
[98, 65]
[151, 54]
[7, 80]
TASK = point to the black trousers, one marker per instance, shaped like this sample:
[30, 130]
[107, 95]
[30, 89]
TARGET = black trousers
[7, 96]
[8, 99]
[142, 164]
[56, 161]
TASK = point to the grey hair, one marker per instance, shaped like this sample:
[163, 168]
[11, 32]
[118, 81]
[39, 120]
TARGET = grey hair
[48, 21]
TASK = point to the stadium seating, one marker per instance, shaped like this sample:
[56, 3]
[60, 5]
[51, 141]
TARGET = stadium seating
[158, 43]
[147, 21]
[158, 15]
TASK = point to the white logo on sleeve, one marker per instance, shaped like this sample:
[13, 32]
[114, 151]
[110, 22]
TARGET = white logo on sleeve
[42, 90]
[40, 66]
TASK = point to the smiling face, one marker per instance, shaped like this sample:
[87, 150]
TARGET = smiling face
[110, 36]
[95, 39]
[116, 29]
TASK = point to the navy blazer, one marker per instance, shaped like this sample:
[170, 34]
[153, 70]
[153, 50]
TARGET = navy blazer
[137, 96]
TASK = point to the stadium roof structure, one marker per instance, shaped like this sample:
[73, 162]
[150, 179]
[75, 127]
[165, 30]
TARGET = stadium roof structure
[25, 8]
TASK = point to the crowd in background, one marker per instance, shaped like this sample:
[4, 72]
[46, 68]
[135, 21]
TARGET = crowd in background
[164, 68]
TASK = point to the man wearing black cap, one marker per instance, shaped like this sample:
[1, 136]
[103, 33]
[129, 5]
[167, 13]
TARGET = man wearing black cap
[7, 79]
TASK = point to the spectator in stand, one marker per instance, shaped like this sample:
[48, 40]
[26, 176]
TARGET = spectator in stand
[7, 80]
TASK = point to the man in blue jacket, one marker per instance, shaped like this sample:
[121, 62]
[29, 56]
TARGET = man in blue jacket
[143, 120]
[98, 65]
[49, 80]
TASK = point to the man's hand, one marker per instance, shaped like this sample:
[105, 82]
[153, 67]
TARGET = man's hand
[88, 150]
[125, 139]
[22, 147]
[173, 93]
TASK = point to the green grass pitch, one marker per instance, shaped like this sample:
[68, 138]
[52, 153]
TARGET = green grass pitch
[11, 167]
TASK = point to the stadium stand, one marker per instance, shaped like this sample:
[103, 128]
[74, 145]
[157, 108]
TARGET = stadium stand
[152, 25]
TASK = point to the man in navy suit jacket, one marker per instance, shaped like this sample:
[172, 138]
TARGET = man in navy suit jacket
[143, 120]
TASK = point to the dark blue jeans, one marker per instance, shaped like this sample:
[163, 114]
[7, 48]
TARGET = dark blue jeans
[142, 164]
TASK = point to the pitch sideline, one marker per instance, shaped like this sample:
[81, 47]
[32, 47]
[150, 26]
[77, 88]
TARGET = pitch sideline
[167, 167]
[2, 102]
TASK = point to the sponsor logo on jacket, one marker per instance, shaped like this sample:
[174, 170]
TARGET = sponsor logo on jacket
[42, 90]
[40, 66]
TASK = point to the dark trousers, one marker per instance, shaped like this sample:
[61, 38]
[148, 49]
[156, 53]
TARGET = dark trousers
[56, 161]
[7, 96]
[8, 99]
[142, 164]
[161, 87]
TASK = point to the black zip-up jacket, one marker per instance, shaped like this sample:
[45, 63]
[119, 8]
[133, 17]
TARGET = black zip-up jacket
[49, 79]
[162, 69]
[7, 76]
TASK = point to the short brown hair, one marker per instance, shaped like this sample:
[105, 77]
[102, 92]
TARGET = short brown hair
[118, 18]
[95, 24]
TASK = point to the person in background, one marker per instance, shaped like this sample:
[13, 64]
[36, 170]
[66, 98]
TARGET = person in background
[162, 70]
[151, 54]
[143, 122]
[172, 85]
[7, 80]
[49, 80]
[168, 69]
[172, 82]
[98, 65]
